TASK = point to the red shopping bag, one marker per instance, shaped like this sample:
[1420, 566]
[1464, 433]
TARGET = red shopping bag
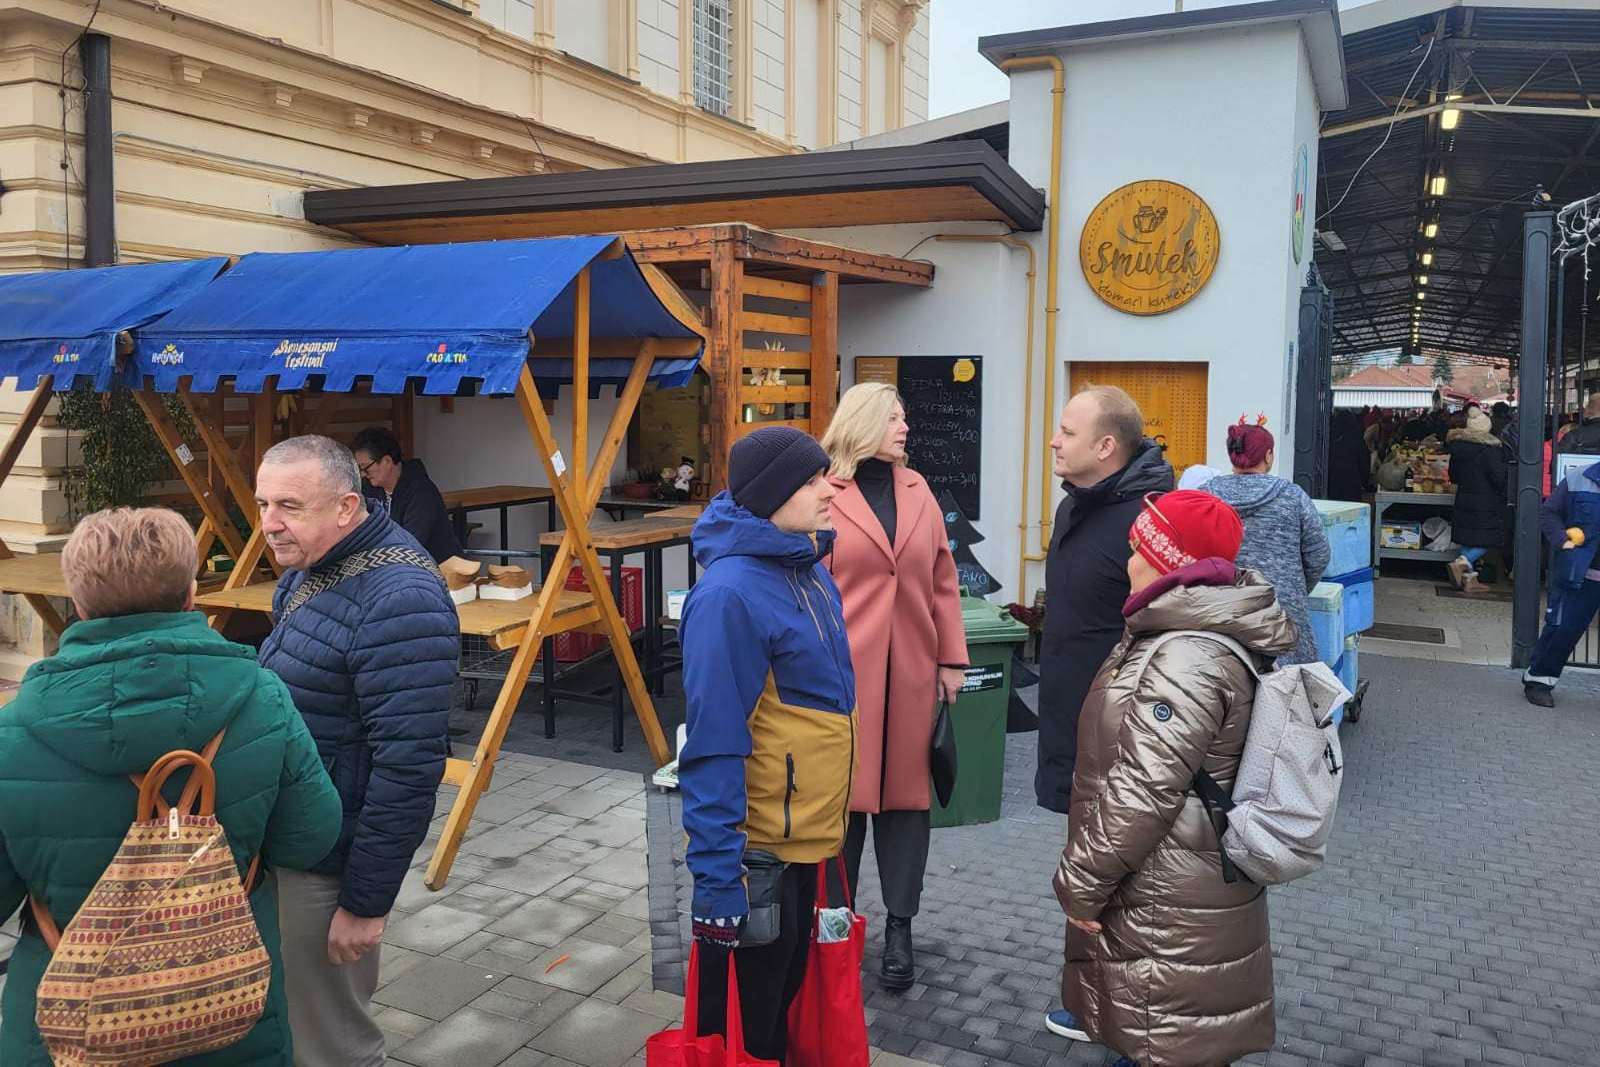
[684, 1048]
[828, 1020]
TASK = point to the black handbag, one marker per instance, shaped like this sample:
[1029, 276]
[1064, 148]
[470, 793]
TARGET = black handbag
[942, 755]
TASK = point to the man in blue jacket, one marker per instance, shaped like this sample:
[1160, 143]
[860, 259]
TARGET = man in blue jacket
[766, 769]
[366, 638]
[1574, 593]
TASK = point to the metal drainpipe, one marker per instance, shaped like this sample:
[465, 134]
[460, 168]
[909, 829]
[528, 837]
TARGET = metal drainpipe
[100, 221]
[1052, 284]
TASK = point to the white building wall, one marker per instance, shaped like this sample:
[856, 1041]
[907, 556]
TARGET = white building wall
[766, 54]
[915, 71]
[658, 46]
[1123, 125]
[977, 306]
[850, 119]
[583, 29]
[808, 15]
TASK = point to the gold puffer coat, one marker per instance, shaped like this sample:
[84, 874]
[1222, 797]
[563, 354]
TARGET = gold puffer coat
[1181, 973]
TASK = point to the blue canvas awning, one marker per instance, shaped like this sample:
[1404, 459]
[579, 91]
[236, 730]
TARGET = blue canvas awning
[443, 315]
[65, 322]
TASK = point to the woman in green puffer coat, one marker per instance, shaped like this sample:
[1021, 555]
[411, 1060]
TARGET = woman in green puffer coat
[140, 676]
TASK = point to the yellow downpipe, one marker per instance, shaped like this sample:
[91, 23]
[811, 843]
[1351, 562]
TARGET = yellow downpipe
[1027, 404]
[1052, 278]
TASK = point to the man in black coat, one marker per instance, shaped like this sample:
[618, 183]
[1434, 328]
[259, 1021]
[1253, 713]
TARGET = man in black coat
[1106, 467]
[403, 486]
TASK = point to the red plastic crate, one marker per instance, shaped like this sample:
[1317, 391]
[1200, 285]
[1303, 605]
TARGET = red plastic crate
[573, 645]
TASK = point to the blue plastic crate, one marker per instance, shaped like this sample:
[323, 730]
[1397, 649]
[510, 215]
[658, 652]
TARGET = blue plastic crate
[1349, 672]
[1358, 600]
[1326, 602]
[1349, 530]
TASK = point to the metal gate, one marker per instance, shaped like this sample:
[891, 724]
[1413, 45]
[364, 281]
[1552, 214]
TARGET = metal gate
[1313, 387]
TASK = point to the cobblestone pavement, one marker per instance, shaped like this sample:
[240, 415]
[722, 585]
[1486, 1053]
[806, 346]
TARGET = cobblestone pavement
[1454, 924]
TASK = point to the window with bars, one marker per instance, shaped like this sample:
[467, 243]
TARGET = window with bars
[713, 56]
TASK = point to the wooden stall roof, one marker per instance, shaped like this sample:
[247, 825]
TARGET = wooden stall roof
[940, 182]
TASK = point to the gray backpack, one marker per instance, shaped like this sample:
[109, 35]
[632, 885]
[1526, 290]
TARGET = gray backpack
[1274, 827]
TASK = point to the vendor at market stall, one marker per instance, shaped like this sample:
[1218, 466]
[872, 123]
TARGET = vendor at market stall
[403, 487]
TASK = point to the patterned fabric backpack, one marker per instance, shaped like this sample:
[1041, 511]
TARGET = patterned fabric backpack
[163, 960]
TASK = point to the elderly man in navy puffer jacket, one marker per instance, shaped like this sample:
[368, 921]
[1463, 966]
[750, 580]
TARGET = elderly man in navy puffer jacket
[367, 639]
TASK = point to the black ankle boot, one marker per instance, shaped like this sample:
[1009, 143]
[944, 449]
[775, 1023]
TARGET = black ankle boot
[899, 960]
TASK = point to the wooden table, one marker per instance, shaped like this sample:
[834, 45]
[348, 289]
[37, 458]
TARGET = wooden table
[39, 575]
[617, 506]
[502, 498]
[501, 621]
[650, 536]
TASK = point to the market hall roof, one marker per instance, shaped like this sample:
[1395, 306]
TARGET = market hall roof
[950, 181]
[1525, 80]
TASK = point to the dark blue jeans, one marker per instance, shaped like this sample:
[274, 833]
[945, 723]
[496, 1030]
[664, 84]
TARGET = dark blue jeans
[1568, 615]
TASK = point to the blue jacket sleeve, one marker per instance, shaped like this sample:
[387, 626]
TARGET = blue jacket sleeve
[726, 659]
[404, 664]
[1553, 515]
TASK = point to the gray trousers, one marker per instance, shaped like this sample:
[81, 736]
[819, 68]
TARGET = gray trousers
[329, 1007]
[900, 842]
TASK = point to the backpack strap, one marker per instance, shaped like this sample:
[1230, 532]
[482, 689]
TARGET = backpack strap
[353, 565]
[50, 932]
[1216, 800]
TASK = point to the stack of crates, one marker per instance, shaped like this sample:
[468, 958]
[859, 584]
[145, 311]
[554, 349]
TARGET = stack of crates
[1342, 603]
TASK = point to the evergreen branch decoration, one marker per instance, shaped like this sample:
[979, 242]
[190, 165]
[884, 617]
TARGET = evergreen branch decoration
[120, 457]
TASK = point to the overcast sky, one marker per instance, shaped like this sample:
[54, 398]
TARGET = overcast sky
[963, 79]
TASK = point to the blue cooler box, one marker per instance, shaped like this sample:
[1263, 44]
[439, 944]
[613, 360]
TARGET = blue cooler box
[1358, 596]
[1349, 672]
[1349, 530]
[1327, 621]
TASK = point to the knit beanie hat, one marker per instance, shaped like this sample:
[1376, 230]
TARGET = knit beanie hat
[1249, 443]
[766, 467]
[1183, 527]
[1477, 420]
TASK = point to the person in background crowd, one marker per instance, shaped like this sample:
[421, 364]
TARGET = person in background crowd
[1196, 476]
[770, 699]
[1106, 465]
[1569, 519]
[1349, 458]
[403, 486]
[140, 675]
[367, 640]
[1478, 520]
[1283, 535]
[1166, 963]
[902, 611]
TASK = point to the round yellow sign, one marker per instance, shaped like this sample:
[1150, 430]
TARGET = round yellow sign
[1149, 247]
[964, 370]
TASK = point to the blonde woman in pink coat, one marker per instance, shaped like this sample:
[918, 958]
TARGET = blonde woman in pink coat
[902, 613]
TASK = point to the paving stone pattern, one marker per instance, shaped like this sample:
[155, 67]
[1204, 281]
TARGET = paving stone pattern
[1454, 925]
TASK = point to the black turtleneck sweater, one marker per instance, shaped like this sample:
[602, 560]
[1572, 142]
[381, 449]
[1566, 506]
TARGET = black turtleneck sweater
[875, 478]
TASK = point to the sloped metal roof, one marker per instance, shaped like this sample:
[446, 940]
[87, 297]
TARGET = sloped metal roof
[1525, 82]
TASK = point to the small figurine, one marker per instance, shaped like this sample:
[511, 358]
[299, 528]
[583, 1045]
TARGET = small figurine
[684, 479]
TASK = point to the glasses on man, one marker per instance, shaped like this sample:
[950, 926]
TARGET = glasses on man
[367, 466]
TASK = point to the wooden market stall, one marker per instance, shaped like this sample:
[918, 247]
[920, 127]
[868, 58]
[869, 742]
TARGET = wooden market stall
[518, 318]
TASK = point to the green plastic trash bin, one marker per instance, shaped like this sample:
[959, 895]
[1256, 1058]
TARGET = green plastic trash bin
[980, 715]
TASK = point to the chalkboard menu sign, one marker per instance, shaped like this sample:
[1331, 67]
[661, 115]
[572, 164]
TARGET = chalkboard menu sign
[944, 404]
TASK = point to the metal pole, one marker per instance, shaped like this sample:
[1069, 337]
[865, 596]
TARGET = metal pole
[1538, 229]
[100, 220]
[1558, 404]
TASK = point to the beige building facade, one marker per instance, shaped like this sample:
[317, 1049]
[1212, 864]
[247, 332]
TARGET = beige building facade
[226, 112]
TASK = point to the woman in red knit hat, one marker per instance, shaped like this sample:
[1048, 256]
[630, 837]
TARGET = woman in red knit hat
[1167, 963]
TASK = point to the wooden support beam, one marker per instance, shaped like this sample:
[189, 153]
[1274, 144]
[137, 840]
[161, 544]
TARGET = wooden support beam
[211, 506]
[403, 417]
[787, 325]
[746, 428]
[775, 394]
[780, 358]
[9, 454]
[261, 420]
[777, 289]
[221, 456]
[576, 502]
[824, 350]
[724, 346]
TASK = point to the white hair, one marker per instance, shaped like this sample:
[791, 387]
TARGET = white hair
[338, 463]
